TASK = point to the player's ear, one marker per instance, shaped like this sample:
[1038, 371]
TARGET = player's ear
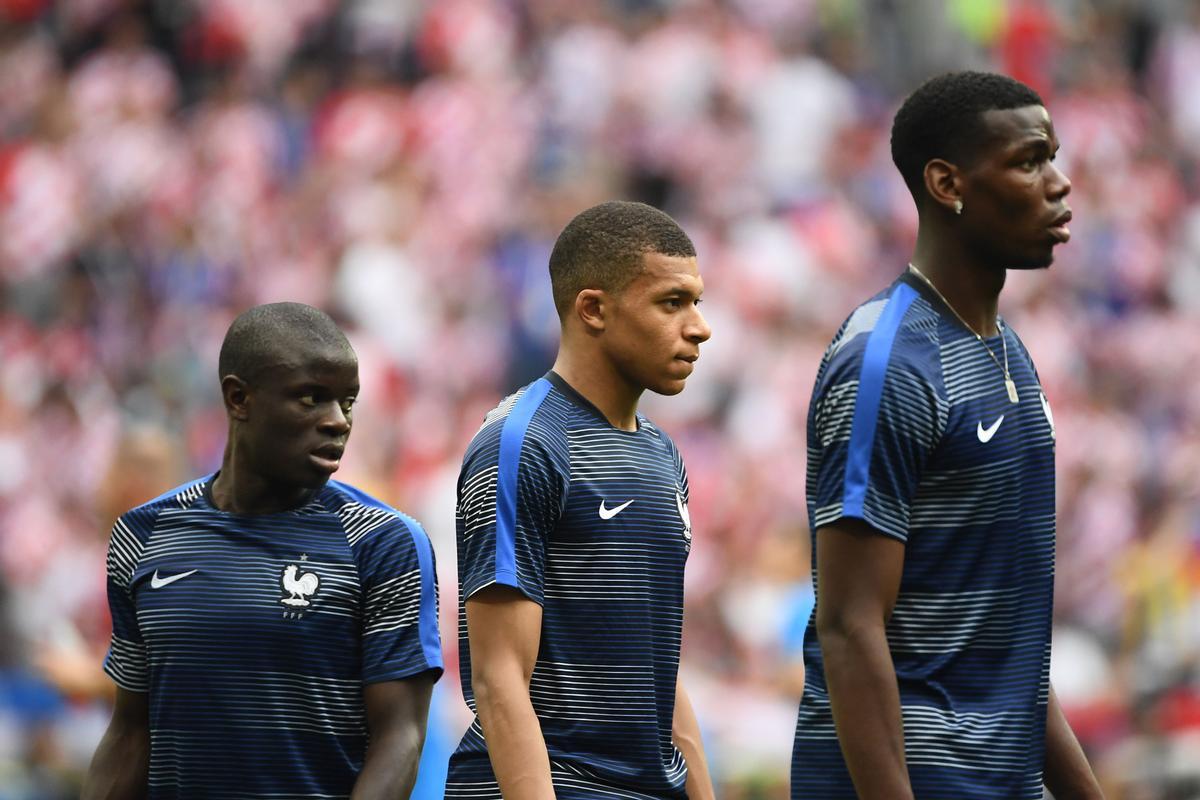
[590, 307]
[943, 181]
[236, 395]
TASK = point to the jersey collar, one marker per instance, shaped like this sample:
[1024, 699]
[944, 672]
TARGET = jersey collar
[582, 402]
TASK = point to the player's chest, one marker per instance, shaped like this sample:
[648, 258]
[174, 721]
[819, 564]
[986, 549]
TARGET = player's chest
[988, 433]
[196, 576]
[628, 498]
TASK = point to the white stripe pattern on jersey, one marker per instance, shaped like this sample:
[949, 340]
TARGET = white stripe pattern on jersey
[359, 520]
[381, 608]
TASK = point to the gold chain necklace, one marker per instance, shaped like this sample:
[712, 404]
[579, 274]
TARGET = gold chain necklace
[1008, 381]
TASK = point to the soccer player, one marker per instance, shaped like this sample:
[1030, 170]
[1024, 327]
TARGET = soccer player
[931, 485]
[573, 530]
[274, 631]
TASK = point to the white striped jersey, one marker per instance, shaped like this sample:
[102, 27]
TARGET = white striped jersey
[590, 522]
[911, 430]
[254, 635]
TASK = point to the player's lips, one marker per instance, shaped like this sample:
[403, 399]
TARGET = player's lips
[1059, 229]
[689, 361]
[328, 457]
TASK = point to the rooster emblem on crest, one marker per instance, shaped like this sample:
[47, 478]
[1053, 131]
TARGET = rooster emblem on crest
[298, 586]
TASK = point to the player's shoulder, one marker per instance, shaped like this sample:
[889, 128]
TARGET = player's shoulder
[182, 496]
[365, 517]
[897, 324]
[140, 519]
[1014, 337]
[537, 413]
[657, 434]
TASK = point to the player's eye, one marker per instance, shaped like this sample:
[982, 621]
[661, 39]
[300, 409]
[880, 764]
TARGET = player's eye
[347, 404]
[308, 400]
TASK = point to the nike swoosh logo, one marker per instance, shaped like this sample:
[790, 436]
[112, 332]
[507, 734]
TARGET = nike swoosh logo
[609, 513]
[985, 434]
[157, 582]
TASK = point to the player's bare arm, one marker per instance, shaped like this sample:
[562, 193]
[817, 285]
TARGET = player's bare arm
[396, 715]
[859, 574]
[1067, 773]
[121, 765]
[685, 732]
[504, 630]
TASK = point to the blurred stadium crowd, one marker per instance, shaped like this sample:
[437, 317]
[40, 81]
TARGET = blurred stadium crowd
[407, 165]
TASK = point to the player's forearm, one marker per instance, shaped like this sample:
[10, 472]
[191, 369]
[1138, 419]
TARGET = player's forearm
[121, 765]
[390, 768]
[396, 714]
[1067, 773]
[865, 699]
[685, 731]
[514, 739]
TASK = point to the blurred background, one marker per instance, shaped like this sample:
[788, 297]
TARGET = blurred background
[407, 166]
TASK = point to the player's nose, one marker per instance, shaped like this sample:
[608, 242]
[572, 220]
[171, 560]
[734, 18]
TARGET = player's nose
[697, 329]
[1059, 184]
[336, 421]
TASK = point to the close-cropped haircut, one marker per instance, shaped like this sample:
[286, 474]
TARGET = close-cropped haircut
[260, 333]
[604, 246]
[943, 118]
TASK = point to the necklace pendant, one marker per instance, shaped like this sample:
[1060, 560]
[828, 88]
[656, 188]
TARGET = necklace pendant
[1012, 390]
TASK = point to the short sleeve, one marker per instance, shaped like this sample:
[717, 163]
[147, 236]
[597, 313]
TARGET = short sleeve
[398, 578]
[510, 498]
[875, 417]
[126, 660]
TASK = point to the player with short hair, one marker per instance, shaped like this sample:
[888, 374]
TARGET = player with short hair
[573, 531]
[931, 485]
[274, 631]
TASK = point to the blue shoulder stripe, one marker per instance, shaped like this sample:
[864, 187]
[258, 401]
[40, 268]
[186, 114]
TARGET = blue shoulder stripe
[512, 436]
[870, 393]
[427, 624]
[359, 496]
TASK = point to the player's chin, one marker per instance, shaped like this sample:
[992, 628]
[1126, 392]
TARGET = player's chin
[668, 385]
[1038, 258]
[315, 473]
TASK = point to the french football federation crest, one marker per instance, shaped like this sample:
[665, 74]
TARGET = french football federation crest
[298, 586]
[685, 516]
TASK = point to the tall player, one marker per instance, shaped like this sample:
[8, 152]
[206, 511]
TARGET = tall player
[931, 485]
[573, 531]
[274, 631]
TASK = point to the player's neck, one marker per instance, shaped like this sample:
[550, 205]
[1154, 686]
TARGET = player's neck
[238, 490]
[601, 385]
[970, 287]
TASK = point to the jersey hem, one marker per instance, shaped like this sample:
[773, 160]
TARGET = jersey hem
[122, 684]
[503, 578]
[404, 673]
[865, 516]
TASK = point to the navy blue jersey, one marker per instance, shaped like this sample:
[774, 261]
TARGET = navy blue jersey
[590, 522]
[912, 431]
[254, 635]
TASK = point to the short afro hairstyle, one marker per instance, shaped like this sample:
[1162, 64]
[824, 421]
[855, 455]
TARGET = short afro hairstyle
[260, 333]
[943, 119]
[603, 248]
